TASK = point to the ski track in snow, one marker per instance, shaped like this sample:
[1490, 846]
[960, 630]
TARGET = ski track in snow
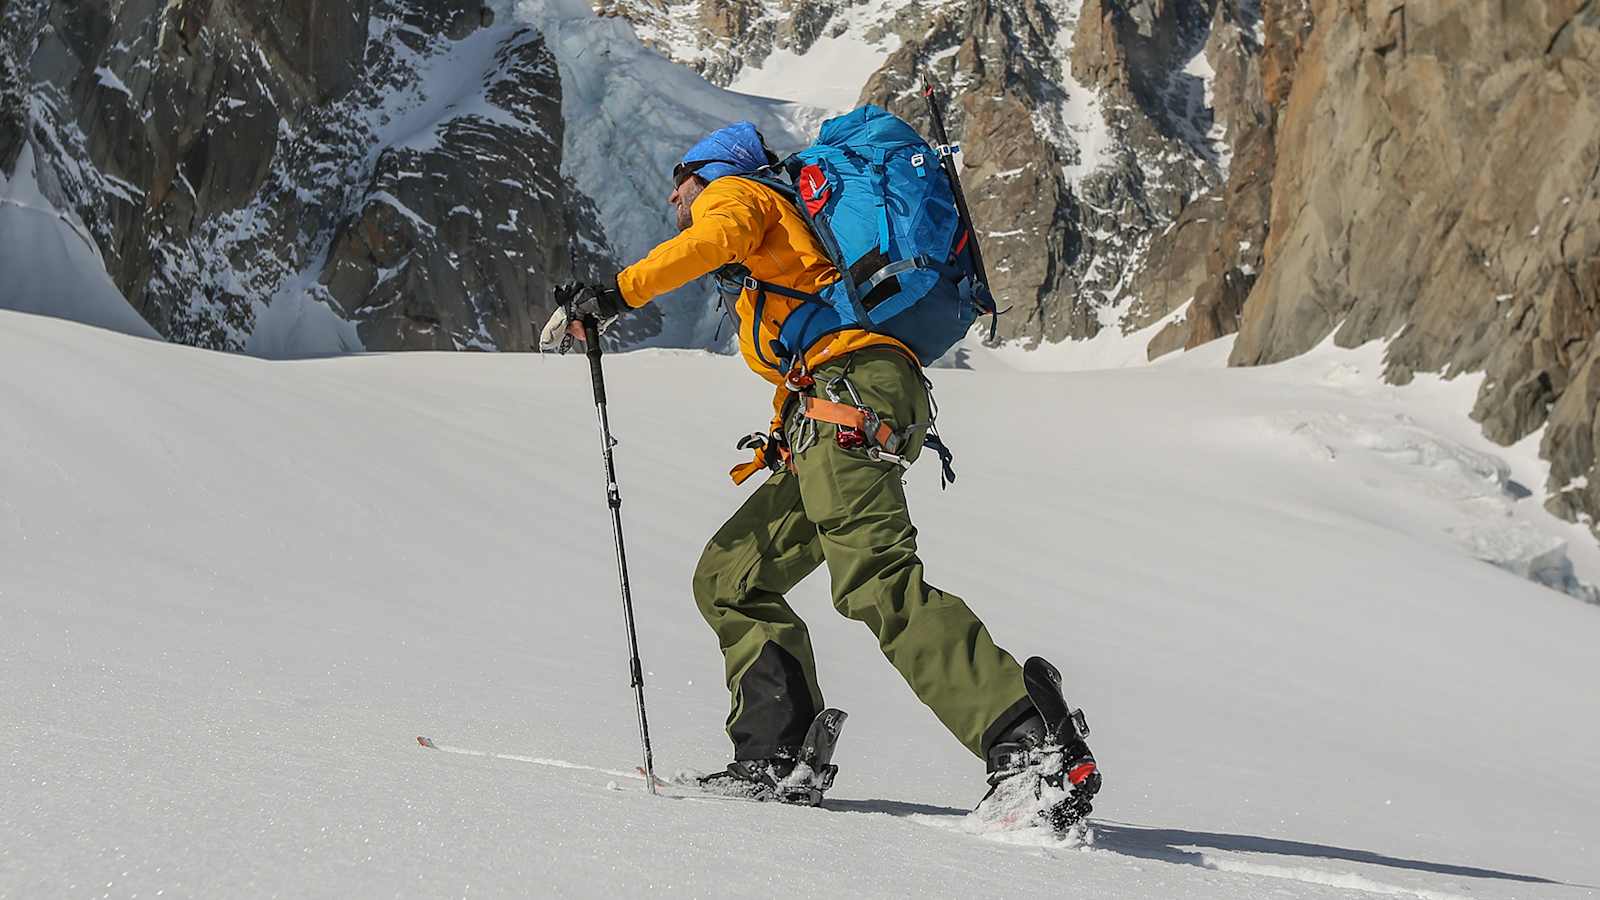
[430, 744]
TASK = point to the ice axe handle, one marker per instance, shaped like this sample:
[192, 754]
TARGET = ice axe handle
[591, 349]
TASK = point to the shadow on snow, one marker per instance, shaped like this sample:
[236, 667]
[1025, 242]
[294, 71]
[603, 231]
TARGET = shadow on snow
[1167, 844]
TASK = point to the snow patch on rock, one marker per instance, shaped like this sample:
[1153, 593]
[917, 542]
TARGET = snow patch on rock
[1079, 122]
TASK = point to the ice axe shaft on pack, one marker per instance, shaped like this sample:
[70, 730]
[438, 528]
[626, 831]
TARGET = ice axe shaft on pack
[947, 158]
[591, 342]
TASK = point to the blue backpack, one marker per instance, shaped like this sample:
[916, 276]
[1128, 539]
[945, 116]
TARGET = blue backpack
[884, 210]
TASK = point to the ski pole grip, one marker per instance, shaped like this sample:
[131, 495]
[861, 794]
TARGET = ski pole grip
[591, 349]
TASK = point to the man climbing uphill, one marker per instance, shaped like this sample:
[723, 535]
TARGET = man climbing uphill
[852, 408]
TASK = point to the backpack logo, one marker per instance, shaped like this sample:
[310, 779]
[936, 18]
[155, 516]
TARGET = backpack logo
[814, 188]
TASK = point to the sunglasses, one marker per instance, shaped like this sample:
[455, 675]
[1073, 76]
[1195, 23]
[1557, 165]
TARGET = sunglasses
[682, 171]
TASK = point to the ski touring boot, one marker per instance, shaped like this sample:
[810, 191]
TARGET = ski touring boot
[1040, 770]
[799, 777]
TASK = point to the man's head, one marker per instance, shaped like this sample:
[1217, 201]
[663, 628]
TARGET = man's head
[683, 196]
[737, 149]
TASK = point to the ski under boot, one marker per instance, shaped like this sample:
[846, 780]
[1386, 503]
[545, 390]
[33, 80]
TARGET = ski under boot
[1040, 769]
[800, 776]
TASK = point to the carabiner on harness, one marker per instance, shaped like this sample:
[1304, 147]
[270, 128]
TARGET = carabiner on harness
[846, 436]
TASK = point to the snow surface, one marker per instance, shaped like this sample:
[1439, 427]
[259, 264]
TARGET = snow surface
[832, 72]
[235, 591]
[48, 263]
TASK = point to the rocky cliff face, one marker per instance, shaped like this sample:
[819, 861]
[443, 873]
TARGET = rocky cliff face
[1436, 181]
[1426, 173]
[305, 177]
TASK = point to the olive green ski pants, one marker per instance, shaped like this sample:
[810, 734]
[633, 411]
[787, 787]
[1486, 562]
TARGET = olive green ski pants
[839, 507]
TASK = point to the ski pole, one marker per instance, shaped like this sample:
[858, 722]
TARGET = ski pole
[591, 341]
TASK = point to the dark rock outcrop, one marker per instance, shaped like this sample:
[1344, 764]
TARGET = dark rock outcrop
[454, 229]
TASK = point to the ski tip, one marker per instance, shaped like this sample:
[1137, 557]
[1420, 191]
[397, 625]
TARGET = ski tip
[426, 742]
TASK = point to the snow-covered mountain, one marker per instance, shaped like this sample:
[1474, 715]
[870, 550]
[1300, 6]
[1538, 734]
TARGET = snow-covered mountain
[235, 591]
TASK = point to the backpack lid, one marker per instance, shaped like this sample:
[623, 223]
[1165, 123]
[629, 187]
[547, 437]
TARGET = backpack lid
[867, 124]
[737, 149]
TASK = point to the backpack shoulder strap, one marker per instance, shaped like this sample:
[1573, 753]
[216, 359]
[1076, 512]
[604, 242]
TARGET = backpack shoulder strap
[824, 236]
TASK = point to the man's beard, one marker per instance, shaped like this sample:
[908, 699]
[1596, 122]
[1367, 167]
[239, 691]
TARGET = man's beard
[685, 217]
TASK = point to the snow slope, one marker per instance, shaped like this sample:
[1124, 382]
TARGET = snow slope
[48, 262]
[234, 591]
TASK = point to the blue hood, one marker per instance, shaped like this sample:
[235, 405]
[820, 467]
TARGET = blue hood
[734, 150]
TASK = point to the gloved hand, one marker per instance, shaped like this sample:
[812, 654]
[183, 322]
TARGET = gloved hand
[768, 448]
[770, 453]
[576, 299]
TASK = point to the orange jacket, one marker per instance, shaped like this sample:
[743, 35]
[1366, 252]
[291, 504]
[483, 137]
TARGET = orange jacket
[739, 221]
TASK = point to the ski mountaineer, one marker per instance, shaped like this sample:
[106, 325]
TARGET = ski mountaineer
[834, 496]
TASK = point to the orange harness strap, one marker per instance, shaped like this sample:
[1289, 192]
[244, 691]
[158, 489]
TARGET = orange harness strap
[845, 416]
[817, 409]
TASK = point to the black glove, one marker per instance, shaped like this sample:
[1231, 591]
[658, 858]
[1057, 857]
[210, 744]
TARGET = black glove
[587, 299]
[575, 300]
